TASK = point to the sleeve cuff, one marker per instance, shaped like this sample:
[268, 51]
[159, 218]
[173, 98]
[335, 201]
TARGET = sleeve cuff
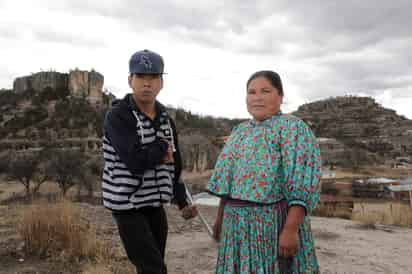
[298, 203]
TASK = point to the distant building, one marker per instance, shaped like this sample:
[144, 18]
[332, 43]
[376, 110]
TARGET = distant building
[401, 191]
[372, 187]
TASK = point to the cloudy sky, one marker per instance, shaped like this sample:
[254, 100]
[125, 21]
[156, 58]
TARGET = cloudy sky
[320, 48]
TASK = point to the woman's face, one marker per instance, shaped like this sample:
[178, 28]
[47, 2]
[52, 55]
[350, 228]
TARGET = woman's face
[262, 99]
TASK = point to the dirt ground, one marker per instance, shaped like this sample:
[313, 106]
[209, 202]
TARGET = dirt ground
[343, 246]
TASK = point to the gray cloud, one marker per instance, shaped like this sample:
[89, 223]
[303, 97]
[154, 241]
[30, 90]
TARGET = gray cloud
[8, 33]
[214, 23]
[362, 18]
[65, 37]
[336, 46]
[147, 14]
[317, 27]
[354, 46]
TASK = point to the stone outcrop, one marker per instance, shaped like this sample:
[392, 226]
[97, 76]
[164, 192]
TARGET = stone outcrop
[22, 84]
[95, 81]
[79, 83]
[53, 80]
[87, 84]
[359, 123]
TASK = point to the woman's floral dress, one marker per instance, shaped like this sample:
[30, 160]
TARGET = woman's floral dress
[265, 168]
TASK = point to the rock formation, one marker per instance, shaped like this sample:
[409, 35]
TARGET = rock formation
[350, 130]
[358, 123]
[87, 84]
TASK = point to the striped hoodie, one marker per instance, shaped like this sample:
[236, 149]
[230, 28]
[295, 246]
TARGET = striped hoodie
[133, 148]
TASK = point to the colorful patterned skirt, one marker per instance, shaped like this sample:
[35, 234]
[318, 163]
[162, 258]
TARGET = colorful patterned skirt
[249, 241]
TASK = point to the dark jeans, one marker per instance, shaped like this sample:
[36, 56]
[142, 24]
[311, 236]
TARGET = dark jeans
[144, 233]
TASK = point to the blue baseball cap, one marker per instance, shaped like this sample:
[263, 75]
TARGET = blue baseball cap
[146, 62]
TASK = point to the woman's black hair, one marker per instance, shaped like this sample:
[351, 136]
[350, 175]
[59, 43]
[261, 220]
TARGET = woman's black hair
[269, 75]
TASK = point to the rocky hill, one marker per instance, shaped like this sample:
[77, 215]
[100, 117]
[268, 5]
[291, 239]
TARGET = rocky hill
[358, 127]
[67, 110]
[52, 107]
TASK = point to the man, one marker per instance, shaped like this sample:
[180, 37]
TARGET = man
[143, 165]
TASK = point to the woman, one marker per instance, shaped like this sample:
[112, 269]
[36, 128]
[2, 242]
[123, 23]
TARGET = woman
[267, 176]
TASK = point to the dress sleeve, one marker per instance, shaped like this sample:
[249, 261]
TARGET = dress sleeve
[301, 165]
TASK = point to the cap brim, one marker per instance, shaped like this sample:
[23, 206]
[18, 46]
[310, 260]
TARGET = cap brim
[148, 73]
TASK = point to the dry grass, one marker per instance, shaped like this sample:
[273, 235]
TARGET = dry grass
[57, 230]
[384, 171]
[373, 171]
[370, 214]
[112, 267]
[388, 213]
[96, 269]
[328, 210]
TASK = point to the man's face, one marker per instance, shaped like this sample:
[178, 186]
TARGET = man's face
[145, 87]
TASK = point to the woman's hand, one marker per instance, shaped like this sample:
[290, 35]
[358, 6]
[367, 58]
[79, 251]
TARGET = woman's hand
[289, 236]
[288, 242]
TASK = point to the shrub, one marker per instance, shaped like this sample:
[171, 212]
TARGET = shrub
[58, 230]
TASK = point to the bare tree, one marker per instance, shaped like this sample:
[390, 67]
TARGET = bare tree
[93, 170]
[26, 169]
[88, 182]
[66, 168]
[4, 161]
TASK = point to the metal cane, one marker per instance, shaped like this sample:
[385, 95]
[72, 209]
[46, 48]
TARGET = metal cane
[201, 217]
[188, 194]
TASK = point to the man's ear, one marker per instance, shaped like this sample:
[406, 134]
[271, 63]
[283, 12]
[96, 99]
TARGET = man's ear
[161, 83]
[129, 80]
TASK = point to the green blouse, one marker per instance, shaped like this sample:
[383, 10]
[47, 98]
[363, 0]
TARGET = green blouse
[266, 162]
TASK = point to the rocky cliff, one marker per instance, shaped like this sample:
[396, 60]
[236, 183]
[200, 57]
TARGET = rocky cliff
[53, 107]
[67, 110]
[79, 83]
[358, 125]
